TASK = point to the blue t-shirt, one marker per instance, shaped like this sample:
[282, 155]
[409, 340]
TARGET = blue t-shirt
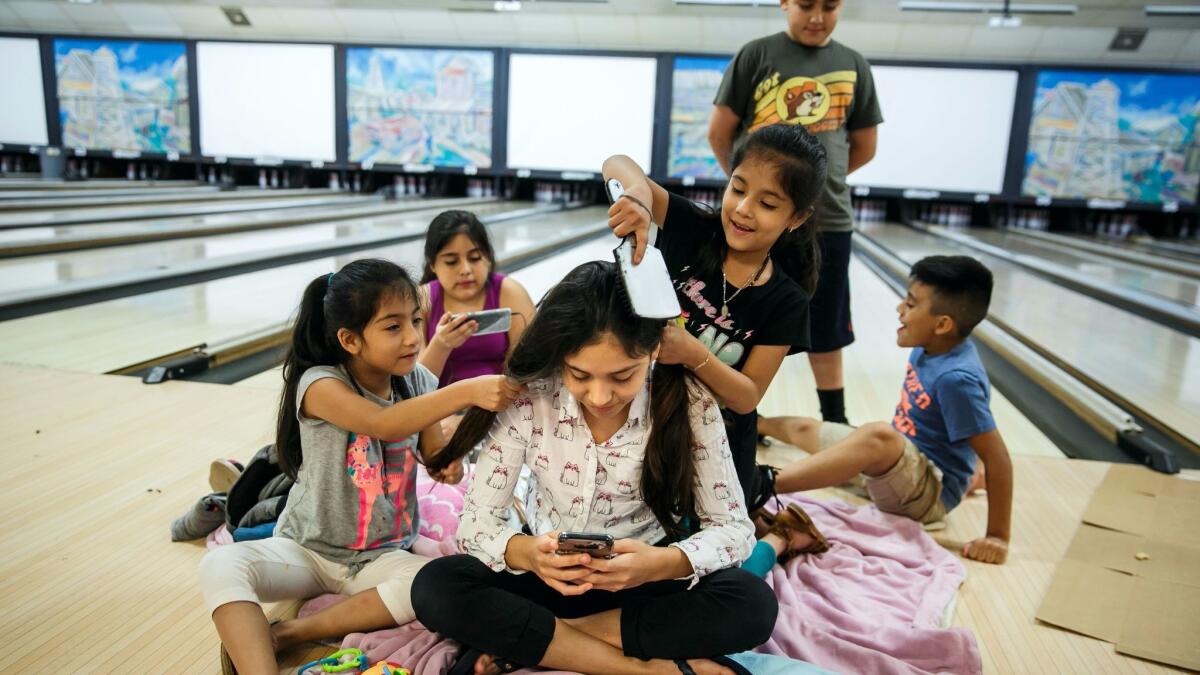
[944, 401]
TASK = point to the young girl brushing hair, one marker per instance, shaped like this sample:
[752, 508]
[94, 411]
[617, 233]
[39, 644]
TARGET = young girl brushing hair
[743, 275]
[618, 445]
[357, 416]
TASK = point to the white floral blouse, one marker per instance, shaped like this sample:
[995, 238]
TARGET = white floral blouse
[581, 486]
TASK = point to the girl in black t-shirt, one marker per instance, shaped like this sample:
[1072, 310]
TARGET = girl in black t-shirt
[743, 274]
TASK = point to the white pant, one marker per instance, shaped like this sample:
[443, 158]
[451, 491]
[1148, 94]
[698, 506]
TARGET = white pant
[277, 568]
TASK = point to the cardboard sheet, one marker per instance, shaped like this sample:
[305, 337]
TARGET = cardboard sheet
[1131, 575]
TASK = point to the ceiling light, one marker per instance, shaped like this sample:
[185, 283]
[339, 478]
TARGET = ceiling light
[1172, 10]
[507, 5]
[986, 7]
[731, 3]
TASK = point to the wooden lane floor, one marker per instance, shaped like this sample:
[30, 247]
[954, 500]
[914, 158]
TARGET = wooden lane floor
[39, 240]
[197, 189]
[1150, 367]
[874, 372]
[117, 213]
[111, 335]
[54, 201]
[1173, 287]
[97, 184]
[39, 271]
[91, 575]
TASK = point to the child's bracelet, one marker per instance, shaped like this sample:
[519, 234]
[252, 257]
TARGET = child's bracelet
[702, 363]
[639, 202]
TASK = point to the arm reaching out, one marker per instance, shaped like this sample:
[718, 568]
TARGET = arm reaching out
[993, 548]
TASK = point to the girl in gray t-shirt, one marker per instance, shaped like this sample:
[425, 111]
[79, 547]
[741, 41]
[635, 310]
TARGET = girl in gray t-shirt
[358, 415]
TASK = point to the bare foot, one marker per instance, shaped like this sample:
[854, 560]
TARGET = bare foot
[486, 665]
[281, 639]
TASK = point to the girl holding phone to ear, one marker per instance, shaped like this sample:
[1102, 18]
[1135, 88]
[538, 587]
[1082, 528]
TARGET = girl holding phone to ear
[617, 445]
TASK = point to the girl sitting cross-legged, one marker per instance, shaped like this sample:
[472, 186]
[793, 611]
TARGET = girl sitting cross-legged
[616, 445]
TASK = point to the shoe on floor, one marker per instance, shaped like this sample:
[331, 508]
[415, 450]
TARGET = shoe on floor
[222, 473]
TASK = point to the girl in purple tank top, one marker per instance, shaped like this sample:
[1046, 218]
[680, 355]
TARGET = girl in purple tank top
[459, 277]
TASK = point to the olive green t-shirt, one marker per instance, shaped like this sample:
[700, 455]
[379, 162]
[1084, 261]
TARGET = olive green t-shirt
[828, 89]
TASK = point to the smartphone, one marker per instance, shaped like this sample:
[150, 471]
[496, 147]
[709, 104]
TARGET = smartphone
[491, 320]
[595, 545]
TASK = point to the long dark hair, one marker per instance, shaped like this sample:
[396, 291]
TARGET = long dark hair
[800, 166]
[577, 312]
[346, 299]
[448, 225]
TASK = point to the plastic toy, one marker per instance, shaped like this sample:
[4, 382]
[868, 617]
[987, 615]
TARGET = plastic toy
[339, 662]
[386, 668]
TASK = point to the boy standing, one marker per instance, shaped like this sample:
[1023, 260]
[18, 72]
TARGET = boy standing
[921, 464]
[802, 76]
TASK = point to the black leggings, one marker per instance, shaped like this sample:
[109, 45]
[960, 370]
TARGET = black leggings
[512, 615]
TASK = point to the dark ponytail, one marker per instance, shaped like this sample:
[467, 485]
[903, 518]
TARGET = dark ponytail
[577, 312]
[347, 299]
[800, 166]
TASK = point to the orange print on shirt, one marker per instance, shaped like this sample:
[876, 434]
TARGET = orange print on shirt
[912, 393]
[819, 103]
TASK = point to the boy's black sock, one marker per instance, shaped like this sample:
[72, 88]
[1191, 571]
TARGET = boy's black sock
[833, 405]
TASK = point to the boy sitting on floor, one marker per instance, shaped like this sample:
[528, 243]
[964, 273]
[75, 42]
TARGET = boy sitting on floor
[921, 464]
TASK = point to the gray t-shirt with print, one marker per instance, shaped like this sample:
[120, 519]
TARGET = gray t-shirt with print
[829, 90]
[355, 497]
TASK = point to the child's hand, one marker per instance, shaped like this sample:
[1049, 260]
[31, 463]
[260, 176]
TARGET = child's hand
[453, 330]
[631, 567]
[560, 572]
[987, 549]
[494, 392]
[451, 475]
[626, 217]
[679, 346]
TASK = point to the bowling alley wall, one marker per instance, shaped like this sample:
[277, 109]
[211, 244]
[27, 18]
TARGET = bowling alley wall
[1110, 151]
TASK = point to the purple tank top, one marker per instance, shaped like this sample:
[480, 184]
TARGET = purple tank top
[479, 355]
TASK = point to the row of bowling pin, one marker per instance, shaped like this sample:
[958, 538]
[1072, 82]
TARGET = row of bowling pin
[141, 171]
[1027, 219]
[16, 164]
[482, 187]
[953, 217]
[709, 198]
[1116, 225]
[868, 210]
[413, 186]
[546, 193]
[273, 180]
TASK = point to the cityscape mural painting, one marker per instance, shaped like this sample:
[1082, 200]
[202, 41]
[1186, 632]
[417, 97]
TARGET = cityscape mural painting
[123, 95]
[1113, 135]
[695, 81]
[420, 106]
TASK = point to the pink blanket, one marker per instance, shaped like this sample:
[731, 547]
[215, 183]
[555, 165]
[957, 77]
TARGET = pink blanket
[874, 601]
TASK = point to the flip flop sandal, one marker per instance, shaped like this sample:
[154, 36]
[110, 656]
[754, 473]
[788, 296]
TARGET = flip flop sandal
[465, 663]
[794, 519]
[729, 663]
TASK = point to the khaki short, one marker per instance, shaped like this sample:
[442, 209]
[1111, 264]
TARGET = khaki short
[912, 488]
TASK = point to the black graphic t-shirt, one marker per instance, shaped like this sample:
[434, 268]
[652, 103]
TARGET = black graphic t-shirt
[775, 313]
